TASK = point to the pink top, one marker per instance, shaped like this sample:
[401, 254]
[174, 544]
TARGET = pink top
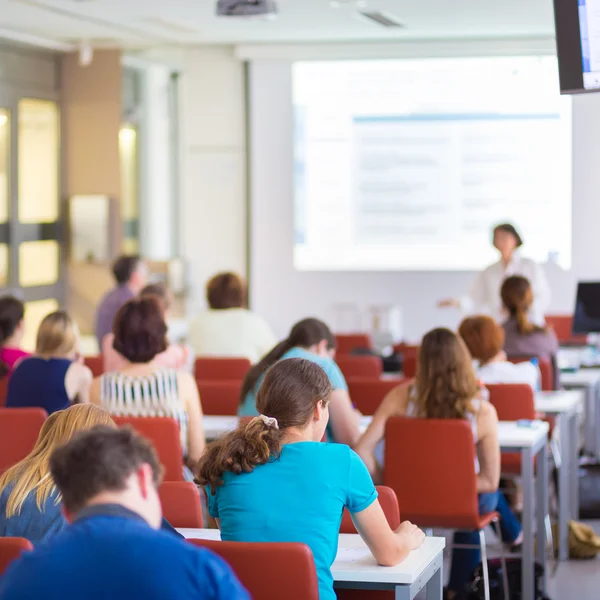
[11, 356]
[174, 357]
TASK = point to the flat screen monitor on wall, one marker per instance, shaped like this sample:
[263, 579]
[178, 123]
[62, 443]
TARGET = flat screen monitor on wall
[578, 45]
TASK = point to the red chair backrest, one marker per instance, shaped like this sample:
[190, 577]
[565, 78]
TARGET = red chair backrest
[369, 367]
[3, 390]
[389, 504]
[410, 356]
[10, 549]
[367, 394]
[164, 435]
[513, 401]
[219, 397]
[181, 504]
[95, 364]
[19, 430]
[563, 327]
[546, 370]
[346, 343]
[213, 369]
[270, 571]
[430, 464]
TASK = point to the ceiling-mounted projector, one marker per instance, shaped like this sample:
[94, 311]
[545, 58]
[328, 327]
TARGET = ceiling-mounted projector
[246, 8]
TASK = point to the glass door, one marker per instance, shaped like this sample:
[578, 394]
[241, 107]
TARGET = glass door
[31, 264]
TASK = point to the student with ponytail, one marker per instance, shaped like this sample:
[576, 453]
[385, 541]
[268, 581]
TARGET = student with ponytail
[311, 340]
[522, 337]
[12, 312]
[272, 480]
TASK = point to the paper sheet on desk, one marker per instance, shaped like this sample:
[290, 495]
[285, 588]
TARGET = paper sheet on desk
[350, 555]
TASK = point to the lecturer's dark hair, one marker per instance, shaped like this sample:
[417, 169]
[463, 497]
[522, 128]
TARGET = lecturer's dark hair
[509, 228]
[289, 393]
[304, 334]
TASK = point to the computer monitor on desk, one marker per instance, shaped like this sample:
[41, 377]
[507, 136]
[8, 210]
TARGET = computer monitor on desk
[586, 318]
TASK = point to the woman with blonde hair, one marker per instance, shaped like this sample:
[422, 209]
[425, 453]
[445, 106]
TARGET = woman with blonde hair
[446, 387]
[29, 501]
[55, 376]
[522, 337]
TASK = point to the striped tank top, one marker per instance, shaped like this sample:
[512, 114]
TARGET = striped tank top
[154, 395]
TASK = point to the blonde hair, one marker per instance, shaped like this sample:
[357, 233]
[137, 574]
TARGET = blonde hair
[33, 472]
[57, 334]
[446, 383]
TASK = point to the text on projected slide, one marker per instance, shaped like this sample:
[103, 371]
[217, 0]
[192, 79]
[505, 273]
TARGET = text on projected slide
[408, 164]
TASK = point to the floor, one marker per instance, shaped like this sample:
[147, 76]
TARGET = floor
[574, 580]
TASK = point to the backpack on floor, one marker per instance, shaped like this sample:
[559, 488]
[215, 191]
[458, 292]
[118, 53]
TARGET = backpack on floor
[475, 589]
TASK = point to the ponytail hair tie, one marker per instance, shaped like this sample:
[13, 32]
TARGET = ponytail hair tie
[269, 421]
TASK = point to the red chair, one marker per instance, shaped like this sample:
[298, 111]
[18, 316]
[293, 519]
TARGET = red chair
[219, 397]
[19, 430]
[369, 367]
[410, 356]
[270, 571]
[346, 343]
[546, 370]
[213, 369]
[513, 402]
[164, 435]
[3, 390]
[367, 394]
[430, 464]
[10, 549]
[389, 504]
[563, 327]
[180, 502]
[95, 364]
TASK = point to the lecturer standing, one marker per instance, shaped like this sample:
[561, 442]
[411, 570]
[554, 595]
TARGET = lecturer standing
[484, 296]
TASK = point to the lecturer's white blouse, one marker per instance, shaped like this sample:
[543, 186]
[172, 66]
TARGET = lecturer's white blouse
[484, 296]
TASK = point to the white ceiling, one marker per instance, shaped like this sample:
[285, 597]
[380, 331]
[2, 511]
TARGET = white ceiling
[143, 23]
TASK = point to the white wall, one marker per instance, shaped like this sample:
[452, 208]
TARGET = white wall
[214, 215]
[286, 295]
[213, 157]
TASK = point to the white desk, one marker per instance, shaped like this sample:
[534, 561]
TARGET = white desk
[421, 569]
[530, 442]
[216, 426]
[566, 406]
[589, 381]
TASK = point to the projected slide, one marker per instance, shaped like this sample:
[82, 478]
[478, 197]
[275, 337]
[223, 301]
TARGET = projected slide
[406, 165]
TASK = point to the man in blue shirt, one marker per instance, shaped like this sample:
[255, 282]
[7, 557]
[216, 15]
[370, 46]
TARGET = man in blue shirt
[108, 480]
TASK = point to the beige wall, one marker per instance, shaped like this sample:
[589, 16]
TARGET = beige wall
[91, 118]
[91, 113]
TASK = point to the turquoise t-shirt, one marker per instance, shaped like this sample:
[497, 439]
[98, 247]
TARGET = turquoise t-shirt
[248, 407]
[298, 497]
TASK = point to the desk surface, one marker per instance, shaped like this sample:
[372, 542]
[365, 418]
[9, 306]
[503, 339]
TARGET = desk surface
[355, 563]
[581, 378]
[556, 403]
[216, 426]
[511, 435]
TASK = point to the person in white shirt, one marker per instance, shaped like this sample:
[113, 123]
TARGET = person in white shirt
[484, 296]
[485, 339]
[228, 328]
